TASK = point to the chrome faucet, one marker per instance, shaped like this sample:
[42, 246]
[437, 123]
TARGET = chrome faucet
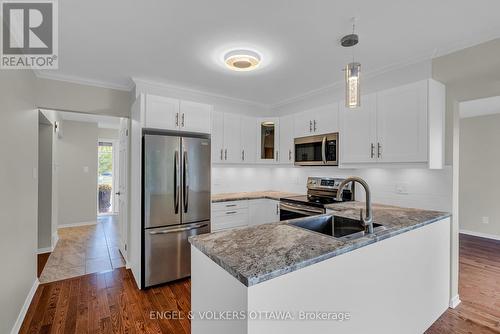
[368, 218]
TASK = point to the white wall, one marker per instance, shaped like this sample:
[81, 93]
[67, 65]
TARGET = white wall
[426, 189]
[108, 133]
[45, 131]
[77, 173]
[18, 193]
[480, 174]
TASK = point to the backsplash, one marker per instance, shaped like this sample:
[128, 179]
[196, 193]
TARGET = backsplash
[409, 187]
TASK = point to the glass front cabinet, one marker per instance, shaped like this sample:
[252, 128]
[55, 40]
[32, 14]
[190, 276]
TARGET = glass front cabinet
[268, 140]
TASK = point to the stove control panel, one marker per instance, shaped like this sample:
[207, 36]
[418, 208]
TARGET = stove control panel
[325, 183]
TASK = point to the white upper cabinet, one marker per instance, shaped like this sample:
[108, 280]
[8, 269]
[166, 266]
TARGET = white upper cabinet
[399, 125]
[165, 113]
[402, 123]
[232, 133]
[195, 117]
[286, 145]
[248, 139]
[217, 138]
[161, 113]
[326, 119]
[268, 140]
[321, 120]
[358, 135]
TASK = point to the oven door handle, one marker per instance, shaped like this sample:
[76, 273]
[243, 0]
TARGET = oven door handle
[323, 149]
[301, 210]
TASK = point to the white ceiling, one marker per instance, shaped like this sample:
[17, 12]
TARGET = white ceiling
[480, 107]
[181, 42]
[103, 122]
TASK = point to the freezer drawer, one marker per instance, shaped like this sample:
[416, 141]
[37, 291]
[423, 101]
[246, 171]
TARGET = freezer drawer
[167, 253]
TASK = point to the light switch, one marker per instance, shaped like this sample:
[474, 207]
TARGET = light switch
[402, 188]
[485, 220]
[85, 169]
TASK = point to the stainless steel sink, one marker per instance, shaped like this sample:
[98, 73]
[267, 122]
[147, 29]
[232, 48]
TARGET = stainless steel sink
[337, 227]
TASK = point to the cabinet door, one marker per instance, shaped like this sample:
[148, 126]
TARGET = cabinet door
[195, 117]
[268, 140]
[402, 123]
[217, 137]
[358, 132]
[303, 124]
[232, 133]
[248, 139]
[286, 140]
[326, 119]
[161, 113]
[263, 211]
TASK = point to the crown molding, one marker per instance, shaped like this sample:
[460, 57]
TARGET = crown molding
[184, 89]
[82, 81]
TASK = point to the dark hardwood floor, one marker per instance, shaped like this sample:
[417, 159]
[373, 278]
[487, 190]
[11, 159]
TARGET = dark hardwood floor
[111, 303]
[479, 290]
[41, 262]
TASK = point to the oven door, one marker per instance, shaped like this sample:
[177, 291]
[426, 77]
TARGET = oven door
[292, 211]
[317, 150]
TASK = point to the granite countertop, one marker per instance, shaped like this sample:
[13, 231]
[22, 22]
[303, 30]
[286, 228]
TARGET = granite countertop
[270, 194]
[259, 253]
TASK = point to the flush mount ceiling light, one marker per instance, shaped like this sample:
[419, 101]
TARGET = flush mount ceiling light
[242, 60]
[352, 71]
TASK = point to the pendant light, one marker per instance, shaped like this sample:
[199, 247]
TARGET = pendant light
[352, 72]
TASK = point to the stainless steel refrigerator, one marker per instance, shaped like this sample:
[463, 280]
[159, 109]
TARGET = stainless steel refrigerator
[176, 203]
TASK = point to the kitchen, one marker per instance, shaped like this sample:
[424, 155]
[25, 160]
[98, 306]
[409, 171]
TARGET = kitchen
[296, 172]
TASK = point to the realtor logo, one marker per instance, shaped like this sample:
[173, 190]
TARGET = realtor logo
[29, 35]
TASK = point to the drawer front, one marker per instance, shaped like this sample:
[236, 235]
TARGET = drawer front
[229, 206]
[224, 220]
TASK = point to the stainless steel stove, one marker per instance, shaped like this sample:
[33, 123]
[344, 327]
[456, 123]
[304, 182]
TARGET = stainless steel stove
[320, 191]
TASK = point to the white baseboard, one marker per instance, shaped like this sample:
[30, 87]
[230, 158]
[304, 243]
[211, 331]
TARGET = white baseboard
[481, 234]
[45, 250]
[24, 309]
[94, 222]
[455, 301]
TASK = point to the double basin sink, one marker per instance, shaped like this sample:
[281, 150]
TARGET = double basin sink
[337, 227]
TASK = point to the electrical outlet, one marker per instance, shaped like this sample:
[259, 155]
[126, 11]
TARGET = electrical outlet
[485, 220]
[401, 188]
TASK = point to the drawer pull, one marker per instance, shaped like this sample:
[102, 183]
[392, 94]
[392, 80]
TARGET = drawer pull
[231, 212]
[230, 205]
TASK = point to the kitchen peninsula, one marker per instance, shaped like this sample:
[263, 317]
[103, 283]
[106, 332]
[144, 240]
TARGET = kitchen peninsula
[393, 281]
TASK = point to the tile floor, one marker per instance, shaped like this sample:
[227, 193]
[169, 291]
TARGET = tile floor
[83, 250]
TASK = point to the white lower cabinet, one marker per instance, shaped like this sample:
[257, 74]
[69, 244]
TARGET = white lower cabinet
[227, 215]
[263, 211]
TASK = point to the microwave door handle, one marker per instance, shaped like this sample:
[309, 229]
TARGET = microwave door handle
[323, 150]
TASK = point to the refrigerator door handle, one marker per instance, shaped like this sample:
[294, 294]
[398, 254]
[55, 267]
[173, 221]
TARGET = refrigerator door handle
[185, 181]
[176, 182]
[180, 229]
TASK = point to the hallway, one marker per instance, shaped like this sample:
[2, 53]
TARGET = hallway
[85, 249]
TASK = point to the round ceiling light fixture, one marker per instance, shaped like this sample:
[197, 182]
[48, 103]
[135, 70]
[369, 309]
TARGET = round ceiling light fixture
[242, 60]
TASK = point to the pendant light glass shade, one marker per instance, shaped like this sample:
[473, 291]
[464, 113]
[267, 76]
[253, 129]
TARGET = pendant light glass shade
[352, 95]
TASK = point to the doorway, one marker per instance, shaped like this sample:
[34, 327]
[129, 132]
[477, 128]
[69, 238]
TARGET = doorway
[107, 176]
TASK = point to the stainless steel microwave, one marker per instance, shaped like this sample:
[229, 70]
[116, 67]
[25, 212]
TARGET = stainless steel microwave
[322, 150]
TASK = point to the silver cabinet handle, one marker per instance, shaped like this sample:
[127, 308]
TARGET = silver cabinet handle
[323, 150]
[372, 150]
[177, 119]
[289, 155]
[310, 126]
[176, 182]
[225, 154]
[180, 229]
[243, 155]
[182, 122]
[221, 154]
[230, 205]
[379, 150]
[314, 126]
[277, 209]
[231, 212]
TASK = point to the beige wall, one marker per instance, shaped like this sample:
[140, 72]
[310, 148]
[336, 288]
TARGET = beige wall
[479, 174]
[77, 172]
[18, 193]
[62, 95]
